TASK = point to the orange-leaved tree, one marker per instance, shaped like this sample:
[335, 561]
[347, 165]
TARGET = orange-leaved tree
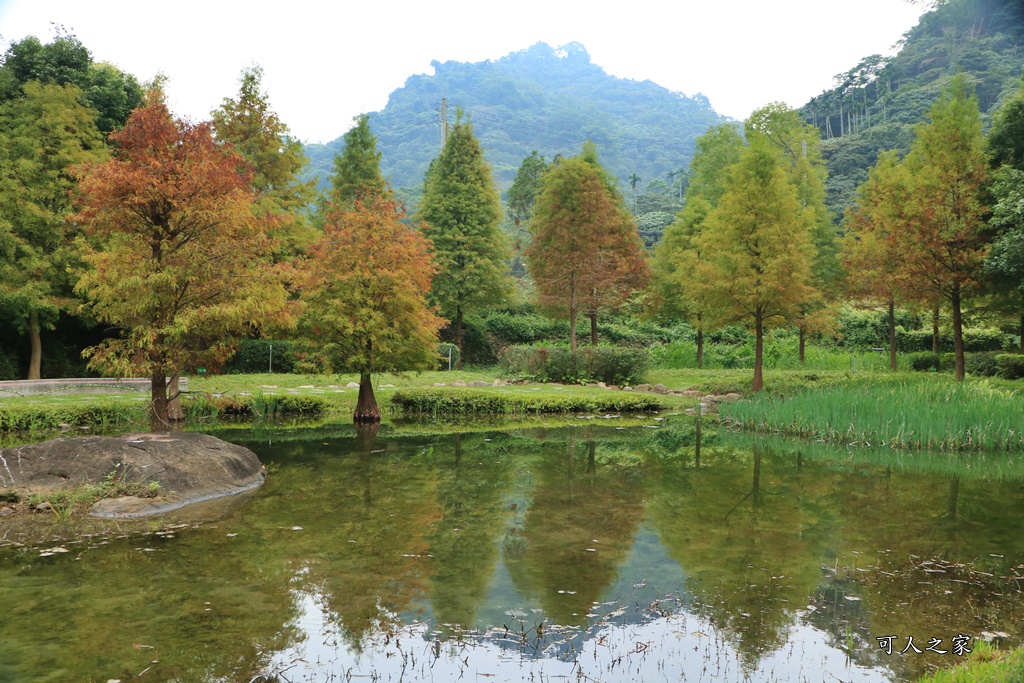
[364, 287]
[585, 253]
[946, 235]
[178, 260]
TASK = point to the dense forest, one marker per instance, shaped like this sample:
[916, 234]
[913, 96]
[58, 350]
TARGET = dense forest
[547, 99]
[875, 105]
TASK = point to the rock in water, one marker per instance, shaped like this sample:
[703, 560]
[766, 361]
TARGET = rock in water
[188, 467]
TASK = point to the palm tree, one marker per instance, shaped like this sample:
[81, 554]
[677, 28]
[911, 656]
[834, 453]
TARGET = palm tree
[634, 180]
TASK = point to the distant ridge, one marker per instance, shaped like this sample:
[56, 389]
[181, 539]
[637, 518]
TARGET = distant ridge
[543, 98]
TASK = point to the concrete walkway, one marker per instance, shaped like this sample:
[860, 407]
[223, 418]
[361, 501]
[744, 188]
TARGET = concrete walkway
[87, 385]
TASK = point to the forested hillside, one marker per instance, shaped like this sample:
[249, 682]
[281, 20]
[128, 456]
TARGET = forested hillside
[547, 99]
[876, 104]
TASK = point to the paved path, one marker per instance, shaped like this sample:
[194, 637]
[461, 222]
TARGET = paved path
[86, 385]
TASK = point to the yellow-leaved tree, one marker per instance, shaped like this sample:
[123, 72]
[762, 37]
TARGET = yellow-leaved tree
[756, 249]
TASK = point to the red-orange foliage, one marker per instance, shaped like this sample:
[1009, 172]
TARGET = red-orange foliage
[585, 256]
[364, 289]
[183, 266]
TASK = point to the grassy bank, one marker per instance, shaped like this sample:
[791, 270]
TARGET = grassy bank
[935, 414]
[265, 396]
[986, 665]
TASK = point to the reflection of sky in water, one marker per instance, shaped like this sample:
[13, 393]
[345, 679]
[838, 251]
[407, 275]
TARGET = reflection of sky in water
[639, 631]
[681, 646]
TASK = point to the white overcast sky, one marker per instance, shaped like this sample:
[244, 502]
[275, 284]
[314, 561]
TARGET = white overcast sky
[326, 62]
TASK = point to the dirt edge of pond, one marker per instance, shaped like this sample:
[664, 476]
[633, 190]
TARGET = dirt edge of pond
[126, 476]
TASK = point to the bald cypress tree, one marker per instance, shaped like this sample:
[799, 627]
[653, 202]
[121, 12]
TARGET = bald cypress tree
[357, 166]
[461, 212]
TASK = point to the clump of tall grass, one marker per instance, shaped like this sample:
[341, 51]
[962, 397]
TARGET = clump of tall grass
[944, 416]
[261, 406]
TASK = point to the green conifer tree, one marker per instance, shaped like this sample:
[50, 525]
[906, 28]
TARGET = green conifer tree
[357, 166]
[275, 160]
[461, 212]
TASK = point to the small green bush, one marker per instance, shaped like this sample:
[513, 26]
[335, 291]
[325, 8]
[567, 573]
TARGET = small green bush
[981, 364]
[609, 364]
[947, 362]
[923, 361]
[1010, 365]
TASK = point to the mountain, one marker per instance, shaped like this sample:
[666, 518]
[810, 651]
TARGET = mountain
[547, 99]
[876, 104]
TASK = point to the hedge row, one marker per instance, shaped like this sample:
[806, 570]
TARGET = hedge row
[457, 401]
[22, 418]
[610, 364]
[979, 364]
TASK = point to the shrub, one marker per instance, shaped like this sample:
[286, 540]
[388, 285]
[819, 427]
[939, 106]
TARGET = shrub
[868, 329]
[981, 364]
[975, 339]
[616, 365]
[254, 355]
[923, 361]
[522, 328]
[609, 364]
[476, 346]
[1010, 365]
[986, 339]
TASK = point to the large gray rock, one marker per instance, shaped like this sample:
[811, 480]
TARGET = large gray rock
[188, 467]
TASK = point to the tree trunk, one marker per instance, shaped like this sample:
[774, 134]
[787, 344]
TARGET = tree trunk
[700, 340]
[935, 329]
[593, 328]
[958, 332]
[755, 487]
[572, 331]
[158, 420]
[458, 344]
[758, 351]
[366, 404]
[36, 360]
[696, 445]
[174, 411]
[1021, 331]
[892, 334]
[803, 343]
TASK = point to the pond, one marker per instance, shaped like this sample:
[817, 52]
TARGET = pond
[589, 553]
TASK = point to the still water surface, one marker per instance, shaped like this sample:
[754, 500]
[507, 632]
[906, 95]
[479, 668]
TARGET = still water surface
[588, 553]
